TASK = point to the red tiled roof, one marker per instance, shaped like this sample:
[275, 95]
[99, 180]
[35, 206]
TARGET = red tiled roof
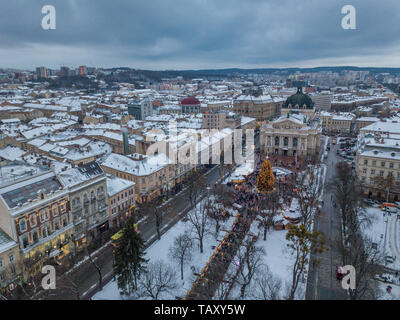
[190, 101]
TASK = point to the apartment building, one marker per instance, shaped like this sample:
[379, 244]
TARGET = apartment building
[34, 212]
[378, 165]
[152, 176]
[121, 198]
[337, 122]
[220, 120]
[364, 122]
[140, 109]
[10, 264]
[87, 191]
[322, 101]
[259, 107]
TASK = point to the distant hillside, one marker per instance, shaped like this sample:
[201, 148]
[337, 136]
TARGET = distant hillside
[222, 73]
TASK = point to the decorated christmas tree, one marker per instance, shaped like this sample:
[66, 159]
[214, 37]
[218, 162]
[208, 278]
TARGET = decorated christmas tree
[266, 178]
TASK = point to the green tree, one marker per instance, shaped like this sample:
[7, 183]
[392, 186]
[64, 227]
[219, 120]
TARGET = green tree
[129, 261]
[301, 243]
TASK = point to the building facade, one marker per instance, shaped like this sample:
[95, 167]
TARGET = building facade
[35, 213]
[290, 136]
[121, 200]
[140, 109]
[87, 190]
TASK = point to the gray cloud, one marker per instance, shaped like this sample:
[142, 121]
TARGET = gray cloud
[160, 34]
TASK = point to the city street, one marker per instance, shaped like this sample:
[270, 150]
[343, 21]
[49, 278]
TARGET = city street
[86, 275]
[322, 283]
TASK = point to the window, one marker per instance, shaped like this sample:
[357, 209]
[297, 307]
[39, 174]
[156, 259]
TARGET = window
[35, 236]
[372, 172]
[56, 224]
[45, 231]
[11, 258]
[277, 141]
[1, 263]
[364, 171]
[382, 164]
[33, 220]
[286, 141]
[22, 225]
[25, 241]
[391, 165]
[295, 142]
[55, 211]
[374, 163]
[365, 162]
[43, 215]
[381, 173]
[65, 221]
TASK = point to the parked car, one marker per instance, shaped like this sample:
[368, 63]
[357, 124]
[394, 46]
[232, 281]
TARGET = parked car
[391, 209]
[369, 202]
[390, 259]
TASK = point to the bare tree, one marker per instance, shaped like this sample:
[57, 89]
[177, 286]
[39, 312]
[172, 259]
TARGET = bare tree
[181, 250]
[367, 262]
[219, 215]
[69, 283]
[267, 287]
[160, 278]
[223, 195]
[250, 260]
[386, 184]
[307, 194]
[98, 269]
[346, 191]
[198, 218]
[269, 204]
[195, 186]
[151, 209]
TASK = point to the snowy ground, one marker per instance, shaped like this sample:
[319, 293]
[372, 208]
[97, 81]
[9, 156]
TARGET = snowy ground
[277, 260]
[394, 295]
[384, 230]
[159, 250]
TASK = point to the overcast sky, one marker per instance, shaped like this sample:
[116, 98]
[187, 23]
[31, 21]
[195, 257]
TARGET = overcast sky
[196, 34]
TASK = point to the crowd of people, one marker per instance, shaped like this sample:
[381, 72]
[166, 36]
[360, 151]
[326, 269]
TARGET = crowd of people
[247, 197]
